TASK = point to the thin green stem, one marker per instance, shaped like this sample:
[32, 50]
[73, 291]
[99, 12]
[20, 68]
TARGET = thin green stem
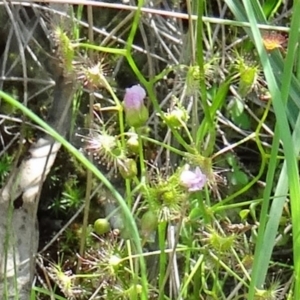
[142, 160]
[134, 27]
[100, 48]
[209, 126]
[162, 227]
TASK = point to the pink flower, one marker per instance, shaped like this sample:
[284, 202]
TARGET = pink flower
[193, 180]
[136, 112]
[134, 98]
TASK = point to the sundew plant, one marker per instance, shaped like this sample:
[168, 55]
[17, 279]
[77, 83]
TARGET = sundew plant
[156, 144]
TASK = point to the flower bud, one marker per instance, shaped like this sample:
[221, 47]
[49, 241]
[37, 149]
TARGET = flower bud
[133, 291]
[136, 113]
[114, 261]
[177, 117]
[127, 168]
[133, 144]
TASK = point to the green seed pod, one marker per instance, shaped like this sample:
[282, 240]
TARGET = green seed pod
[128, 168]
[149, 222]
[101, 226]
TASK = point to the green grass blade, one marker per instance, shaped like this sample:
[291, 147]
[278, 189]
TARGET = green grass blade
[285, 135]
